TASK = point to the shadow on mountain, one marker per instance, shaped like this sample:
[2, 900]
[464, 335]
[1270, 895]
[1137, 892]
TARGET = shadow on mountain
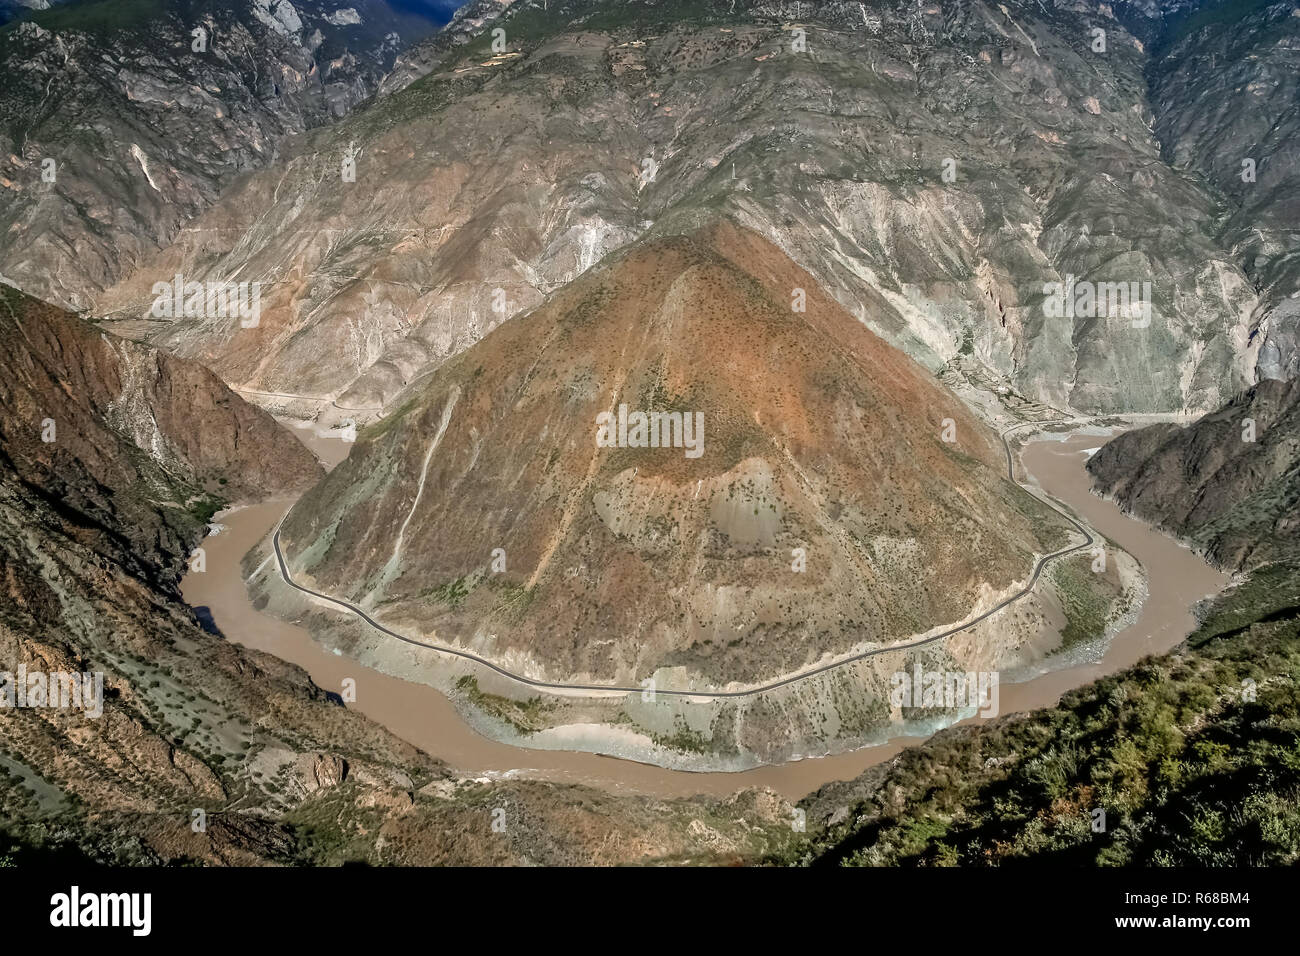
[206, 621]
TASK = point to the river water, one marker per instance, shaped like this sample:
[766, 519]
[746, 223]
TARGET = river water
[425, 718]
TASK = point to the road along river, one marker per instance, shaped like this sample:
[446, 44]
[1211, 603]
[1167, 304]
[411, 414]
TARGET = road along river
[424, 717]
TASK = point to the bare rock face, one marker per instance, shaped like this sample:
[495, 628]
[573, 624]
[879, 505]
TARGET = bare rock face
[118, 124]
[393, 801]
[941, 172]
[321, 770]
[1224, 91]
[798, 431]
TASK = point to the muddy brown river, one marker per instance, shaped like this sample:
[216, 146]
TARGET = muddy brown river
[425, 718]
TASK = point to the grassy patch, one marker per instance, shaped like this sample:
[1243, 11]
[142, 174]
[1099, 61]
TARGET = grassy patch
[203, 508]
[514, 600]
[453, 593]
[683, 739]
[385, 424]
[526, 716]
[1084, 599]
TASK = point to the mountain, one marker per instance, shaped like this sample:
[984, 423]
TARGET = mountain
[115, 131]
[1225, 93]
[778, 230]
[128, 437]
[94, 531]
[420, 58]
[937, 169]
[1229, 483]
[812, 433]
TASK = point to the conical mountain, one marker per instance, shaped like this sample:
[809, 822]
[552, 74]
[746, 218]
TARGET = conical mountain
[493, 512]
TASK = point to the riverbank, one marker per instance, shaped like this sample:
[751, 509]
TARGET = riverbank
[425, 717]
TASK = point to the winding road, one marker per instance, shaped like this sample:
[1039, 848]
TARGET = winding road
[719, 695]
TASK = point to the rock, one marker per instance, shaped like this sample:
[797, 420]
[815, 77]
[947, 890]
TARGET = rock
[327, 770]
[147, 87]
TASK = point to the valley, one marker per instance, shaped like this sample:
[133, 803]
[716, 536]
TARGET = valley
[567, 433]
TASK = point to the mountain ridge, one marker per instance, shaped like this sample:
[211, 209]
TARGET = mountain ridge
[839, 155]
[83, 201]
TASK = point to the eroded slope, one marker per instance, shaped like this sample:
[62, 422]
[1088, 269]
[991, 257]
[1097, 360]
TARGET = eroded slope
[619, 561]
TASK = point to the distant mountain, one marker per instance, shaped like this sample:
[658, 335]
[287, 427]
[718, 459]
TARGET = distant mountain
[115, 131]
[949, 173]
[1226, 93]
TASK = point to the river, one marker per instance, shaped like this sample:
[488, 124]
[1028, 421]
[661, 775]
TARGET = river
[425, 718]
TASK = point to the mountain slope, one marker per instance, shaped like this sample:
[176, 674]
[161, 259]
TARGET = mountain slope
[1190, 756]
[1229, 483]
[94, 529]
[1227, 103]
[143, 131]
[623, 560]
[129, 437]
[600, 123]
[91, 545]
